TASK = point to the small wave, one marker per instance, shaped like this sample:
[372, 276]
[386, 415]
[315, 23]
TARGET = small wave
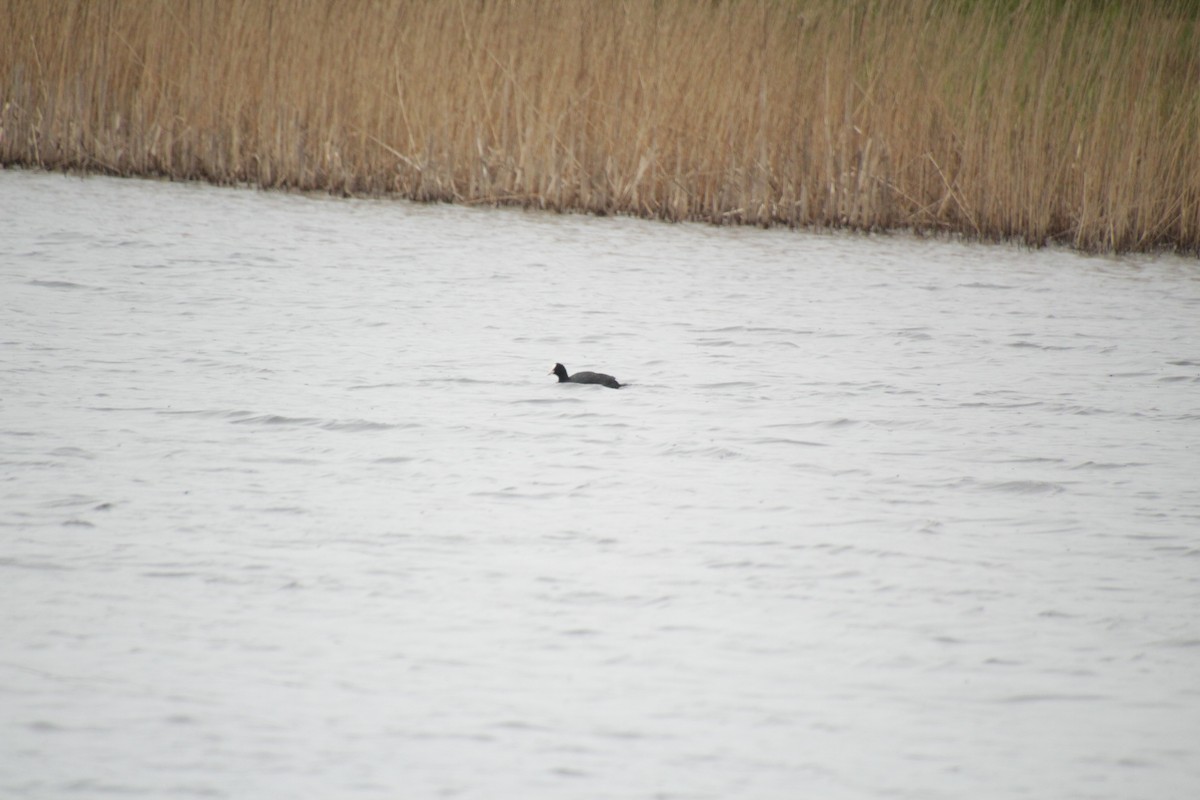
[714, 452]
[505, 495]
[743, 564]
[351, 425]
[58, 284]
[1024, 487]
[1052, 698]
[1030, 460]
[792, 442]
[787, 331]
[1035, 346]
[981, 404]
[220, 413]
[427, 381]
[539, 401]
[72, 452]
[1185, 643]
[874, 386]
[1081, 411]
[355, 425]
[276, 419]
[1109, 465]
[757, 329]
[36, 565]
[70, 501]
[42, 726]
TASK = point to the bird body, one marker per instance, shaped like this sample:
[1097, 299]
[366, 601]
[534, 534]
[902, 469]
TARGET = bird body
[584, 377]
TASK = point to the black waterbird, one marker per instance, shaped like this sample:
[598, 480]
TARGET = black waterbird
[584, 377]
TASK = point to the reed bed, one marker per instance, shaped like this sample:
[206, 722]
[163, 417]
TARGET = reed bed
[1043, 122]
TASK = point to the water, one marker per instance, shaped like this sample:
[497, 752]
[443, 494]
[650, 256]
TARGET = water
[290, 507]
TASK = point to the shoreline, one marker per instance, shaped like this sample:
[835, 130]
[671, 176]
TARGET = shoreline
[1046, 125]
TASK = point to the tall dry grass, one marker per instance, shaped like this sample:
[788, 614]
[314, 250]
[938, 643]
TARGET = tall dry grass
[1047, 121]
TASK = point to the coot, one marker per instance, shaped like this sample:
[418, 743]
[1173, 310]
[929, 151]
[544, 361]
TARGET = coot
[584, 377]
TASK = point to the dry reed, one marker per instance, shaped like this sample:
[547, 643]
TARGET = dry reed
[1043, 122]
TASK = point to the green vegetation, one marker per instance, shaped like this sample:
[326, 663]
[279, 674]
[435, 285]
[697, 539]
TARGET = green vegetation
[1042, 122]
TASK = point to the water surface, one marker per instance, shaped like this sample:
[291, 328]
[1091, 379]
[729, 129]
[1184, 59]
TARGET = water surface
[290, 507]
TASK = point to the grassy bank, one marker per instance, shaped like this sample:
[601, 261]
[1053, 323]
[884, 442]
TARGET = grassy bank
[1040, 121]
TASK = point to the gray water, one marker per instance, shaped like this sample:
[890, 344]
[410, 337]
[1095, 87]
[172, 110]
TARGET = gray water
[290, 507]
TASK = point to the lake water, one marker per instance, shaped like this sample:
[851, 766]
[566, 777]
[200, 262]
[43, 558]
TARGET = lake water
[291, 508]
